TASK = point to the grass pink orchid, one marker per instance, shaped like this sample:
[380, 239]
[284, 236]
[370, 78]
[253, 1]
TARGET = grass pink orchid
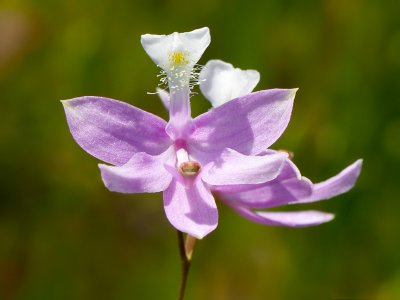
[221, 151]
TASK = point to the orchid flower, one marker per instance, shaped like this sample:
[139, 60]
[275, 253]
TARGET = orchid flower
[222, 150]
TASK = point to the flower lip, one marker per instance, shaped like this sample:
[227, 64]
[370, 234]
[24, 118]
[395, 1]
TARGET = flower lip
[189, 168]
[176, 49]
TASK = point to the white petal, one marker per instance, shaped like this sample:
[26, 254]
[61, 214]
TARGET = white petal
[190, 44]
[221, 82]
[164, 97]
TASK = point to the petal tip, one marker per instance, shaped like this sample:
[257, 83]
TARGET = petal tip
[359, 162]
[67, 103]
[293, 91]
[203, 234]
[357, 165]
[202, 30]
[356, 168]
[104, 175]
[195, 231]
[329, 217]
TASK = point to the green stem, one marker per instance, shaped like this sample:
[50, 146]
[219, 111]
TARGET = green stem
[185, 251]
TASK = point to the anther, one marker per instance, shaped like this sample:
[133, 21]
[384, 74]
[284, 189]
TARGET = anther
[289, 153]
[189, 168]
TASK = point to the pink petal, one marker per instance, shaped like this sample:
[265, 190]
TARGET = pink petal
[143, 173]
[267, 195]
[114, 131]
[334, 186]
[235, 168]
[247, 124]
[288, 171]
[290, 219]
[287, 187]
[191, 210]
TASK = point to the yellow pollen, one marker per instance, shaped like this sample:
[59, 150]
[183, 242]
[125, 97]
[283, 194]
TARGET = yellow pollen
[178, 58]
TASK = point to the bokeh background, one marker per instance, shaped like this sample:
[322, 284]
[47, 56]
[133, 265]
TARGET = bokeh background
[64, 236]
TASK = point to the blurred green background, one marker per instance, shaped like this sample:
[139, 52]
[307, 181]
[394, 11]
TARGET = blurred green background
[64, 236]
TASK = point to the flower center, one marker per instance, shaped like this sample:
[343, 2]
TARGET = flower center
[178, 58]
[189, 168]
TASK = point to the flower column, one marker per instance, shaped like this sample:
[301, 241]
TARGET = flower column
[177, 54]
